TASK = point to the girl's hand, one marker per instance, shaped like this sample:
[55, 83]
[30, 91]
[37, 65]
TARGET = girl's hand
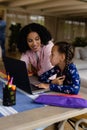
[59, 80]
[43, 85]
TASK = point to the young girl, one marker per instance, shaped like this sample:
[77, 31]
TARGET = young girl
[67, 80]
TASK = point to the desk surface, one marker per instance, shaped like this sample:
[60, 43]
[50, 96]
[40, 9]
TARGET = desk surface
[38, 117]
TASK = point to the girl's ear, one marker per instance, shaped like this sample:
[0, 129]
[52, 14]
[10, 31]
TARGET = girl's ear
[63, 57]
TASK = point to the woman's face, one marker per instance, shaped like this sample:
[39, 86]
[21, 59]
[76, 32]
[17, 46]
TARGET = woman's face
[56, 58]
[34, 41]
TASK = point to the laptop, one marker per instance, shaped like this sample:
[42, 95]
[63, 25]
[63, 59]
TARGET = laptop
[17, 69]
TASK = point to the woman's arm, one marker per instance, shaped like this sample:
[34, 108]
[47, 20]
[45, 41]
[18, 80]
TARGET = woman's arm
[45, 58]
[25, 58]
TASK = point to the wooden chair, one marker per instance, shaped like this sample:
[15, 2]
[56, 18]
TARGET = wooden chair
[79, 121]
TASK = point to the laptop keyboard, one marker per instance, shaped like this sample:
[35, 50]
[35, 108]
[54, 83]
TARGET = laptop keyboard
[33, 87]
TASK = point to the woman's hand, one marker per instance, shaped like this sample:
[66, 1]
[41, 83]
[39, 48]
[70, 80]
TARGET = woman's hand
[43, 85]
[59, 80]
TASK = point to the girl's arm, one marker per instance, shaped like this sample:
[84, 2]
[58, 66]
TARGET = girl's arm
[72, 88]
[45, 76]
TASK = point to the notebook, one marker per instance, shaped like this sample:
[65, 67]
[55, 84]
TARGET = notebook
[17, 69]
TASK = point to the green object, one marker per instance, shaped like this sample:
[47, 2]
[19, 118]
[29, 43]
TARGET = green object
[80, 41]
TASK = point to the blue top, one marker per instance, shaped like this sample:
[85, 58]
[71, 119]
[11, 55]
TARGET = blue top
[2, 29]
[71, 84]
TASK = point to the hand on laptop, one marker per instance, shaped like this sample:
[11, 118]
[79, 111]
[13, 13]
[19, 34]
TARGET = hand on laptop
[43, 85]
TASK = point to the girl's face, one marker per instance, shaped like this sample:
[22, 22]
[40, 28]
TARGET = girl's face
[56, 57]
[34, 41]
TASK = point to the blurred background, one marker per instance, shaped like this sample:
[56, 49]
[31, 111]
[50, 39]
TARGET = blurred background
[65, 19]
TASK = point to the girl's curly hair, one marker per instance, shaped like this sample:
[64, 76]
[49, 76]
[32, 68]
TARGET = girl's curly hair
[67, 49]
[44, 34]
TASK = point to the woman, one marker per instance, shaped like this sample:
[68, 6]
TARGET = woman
[35, 43]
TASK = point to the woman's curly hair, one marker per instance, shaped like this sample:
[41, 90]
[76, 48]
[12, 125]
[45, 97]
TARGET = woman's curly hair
[44, 34]
[67, 49]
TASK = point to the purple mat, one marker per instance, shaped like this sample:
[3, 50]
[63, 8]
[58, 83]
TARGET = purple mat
[62, 101]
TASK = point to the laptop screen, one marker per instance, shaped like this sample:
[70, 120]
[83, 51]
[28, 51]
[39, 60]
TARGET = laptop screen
[17, 69]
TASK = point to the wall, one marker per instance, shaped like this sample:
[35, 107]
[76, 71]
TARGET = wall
[65, 30]
[51, 24]
[60, 28]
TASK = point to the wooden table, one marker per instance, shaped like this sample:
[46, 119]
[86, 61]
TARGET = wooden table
[39, 117]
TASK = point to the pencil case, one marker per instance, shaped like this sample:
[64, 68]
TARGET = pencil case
[62, 101]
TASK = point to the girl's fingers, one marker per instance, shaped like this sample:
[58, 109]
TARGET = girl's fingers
[61, 77]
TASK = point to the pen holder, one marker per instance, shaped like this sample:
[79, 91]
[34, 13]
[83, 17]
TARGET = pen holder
[9, 96]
